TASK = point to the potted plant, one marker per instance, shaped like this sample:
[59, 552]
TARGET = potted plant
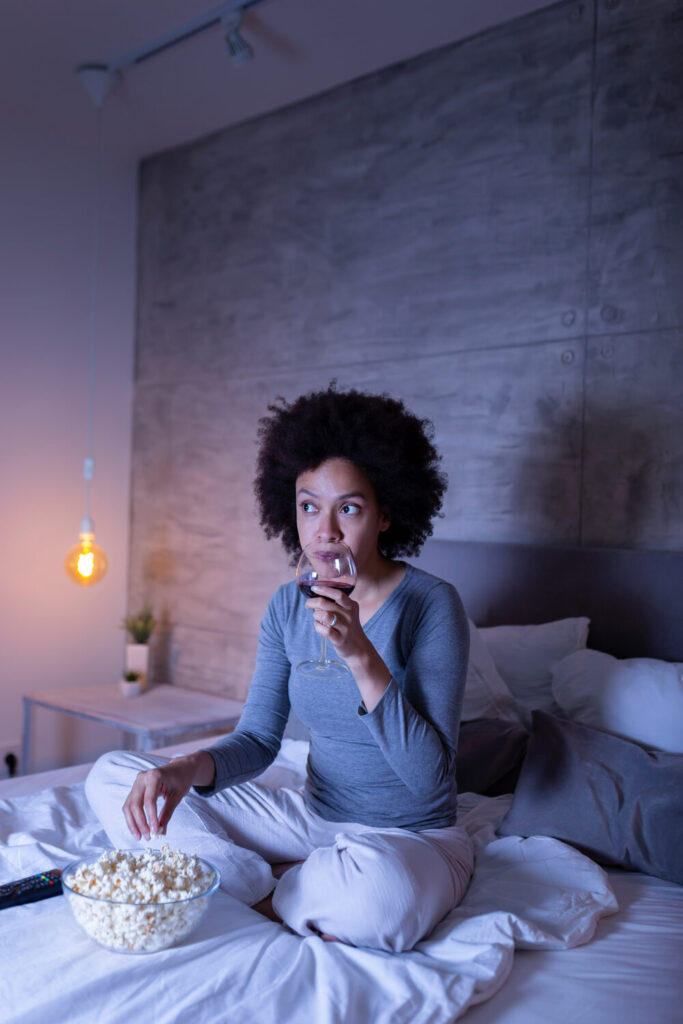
[131, 684]
[139, 628]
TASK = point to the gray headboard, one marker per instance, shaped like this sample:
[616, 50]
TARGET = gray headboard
[634, 599]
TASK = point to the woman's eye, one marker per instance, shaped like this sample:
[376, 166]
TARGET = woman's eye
[307, 506]
[350, 510]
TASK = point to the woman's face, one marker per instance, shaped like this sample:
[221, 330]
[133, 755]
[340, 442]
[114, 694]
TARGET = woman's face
[336, 502]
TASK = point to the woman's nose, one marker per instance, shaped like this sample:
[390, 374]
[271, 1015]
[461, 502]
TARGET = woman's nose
[328, 527]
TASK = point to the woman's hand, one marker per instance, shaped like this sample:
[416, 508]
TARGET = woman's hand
[171, 782]
[336, 616]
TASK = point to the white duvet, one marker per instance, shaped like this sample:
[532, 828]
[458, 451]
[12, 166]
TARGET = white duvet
[533, 893]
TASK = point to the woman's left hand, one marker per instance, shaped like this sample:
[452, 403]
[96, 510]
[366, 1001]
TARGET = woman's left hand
[336, 616]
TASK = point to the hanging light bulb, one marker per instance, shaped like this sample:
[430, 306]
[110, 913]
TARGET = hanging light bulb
[86, 563]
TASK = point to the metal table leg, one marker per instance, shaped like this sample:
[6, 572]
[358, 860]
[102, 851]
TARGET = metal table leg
[25, 762]
[144, 741]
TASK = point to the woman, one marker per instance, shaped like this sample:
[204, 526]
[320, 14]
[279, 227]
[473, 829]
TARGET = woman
[371, 849]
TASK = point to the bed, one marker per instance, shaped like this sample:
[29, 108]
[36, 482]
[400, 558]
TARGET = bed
[571, 782]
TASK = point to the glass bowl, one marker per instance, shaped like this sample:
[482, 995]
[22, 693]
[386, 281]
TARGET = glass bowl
[134, 926]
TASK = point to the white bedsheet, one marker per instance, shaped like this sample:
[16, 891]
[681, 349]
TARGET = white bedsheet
[526, 894]
[631, 972]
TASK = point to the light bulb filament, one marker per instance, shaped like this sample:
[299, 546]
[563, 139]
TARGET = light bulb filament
[86, 563]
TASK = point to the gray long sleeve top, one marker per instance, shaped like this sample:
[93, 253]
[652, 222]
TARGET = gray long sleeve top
[391, 767]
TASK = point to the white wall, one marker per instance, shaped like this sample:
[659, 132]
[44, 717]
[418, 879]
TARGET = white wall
[52, 633]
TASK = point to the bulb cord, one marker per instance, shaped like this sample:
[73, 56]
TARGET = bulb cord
[89, 463]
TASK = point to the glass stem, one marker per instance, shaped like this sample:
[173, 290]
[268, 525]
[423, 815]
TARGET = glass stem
[323, 649]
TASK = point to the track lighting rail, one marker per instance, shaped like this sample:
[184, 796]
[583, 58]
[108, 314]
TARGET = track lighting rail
[180, 34]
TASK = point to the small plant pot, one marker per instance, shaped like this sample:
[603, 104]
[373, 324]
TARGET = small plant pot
[130, 688]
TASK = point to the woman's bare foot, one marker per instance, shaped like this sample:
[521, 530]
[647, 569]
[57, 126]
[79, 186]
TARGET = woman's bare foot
[322, 935]
[279, 869]
[265, 907]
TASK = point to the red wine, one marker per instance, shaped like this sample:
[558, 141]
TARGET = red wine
[306, 585]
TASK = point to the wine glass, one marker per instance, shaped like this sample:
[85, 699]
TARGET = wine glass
[327, 564]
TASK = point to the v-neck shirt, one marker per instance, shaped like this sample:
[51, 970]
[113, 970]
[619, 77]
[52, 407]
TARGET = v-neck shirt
[391, 767]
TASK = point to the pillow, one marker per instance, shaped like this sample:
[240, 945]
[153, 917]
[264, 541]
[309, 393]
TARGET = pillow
[524, 656]
[639, 698]
[486, 695]
[615, 801]
[490, 755]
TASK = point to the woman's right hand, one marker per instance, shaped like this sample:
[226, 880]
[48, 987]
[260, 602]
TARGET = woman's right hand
[171, 782]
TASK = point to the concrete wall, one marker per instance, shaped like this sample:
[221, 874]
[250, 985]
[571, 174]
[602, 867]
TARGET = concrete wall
[54, 634]
[491, 232]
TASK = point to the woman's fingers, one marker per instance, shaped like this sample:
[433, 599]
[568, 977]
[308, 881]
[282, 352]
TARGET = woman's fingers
[172, 801]
[137, 805]
[345, 630]
[324, 628]
[150, 810]
[135, 818]
[330, 609]
[328, 618]
[332, 594]
[140, 807]
[133, 827]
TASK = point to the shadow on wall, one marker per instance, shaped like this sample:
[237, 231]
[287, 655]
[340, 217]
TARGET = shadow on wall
[160, 649]
[633, 478]
[159, 577]
[624, 489]
[628, 496]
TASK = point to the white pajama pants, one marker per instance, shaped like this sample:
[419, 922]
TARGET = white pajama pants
[385, 888]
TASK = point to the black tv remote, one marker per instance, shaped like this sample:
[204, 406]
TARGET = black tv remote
[31, 889]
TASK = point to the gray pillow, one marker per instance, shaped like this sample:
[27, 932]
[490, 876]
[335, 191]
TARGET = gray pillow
[612, 799]
[490, 755]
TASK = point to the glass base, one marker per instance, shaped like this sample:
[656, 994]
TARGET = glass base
[323, 669]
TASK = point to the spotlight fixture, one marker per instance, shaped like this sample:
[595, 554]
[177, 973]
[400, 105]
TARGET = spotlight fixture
[239, 50]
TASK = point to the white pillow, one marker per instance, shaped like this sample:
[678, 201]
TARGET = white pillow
[486, 695]
[525, 655]
[640, 699]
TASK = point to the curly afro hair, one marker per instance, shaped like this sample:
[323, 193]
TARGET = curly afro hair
[378, 435]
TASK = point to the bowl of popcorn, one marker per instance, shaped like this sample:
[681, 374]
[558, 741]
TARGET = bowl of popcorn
[139, 901]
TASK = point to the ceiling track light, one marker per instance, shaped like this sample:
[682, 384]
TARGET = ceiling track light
[228, 15]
